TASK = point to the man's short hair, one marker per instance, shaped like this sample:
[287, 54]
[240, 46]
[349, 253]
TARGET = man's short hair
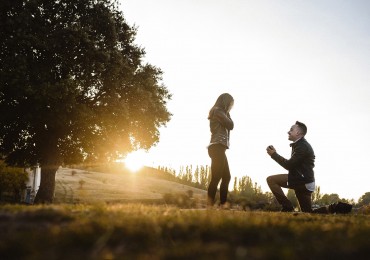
[302, 127]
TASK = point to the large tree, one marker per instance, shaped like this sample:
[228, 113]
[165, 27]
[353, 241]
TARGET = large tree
[73, 86]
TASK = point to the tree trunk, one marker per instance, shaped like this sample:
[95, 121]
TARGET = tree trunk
[45, 193]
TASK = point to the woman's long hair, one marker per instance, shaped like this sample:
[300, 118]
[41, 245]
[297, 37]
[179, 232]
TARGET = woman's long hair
[225, 101]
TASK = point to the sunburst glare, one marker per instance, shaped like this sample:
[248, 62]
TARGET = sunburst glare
[135, 161]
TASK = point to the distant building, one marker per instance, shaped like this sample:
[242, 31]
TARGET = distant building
[33, 184]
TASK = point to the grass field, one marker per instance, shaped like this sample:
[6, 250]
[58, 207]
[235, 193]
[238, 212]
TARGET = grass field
[118, 216]
[137, 231]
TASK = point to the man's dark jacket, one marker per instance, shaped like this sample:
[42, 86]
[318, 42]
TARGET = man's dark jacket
[300, 165]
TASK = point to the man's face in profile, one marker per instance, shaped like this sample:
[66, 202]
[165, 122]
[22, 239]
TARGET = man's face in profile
[294, 133]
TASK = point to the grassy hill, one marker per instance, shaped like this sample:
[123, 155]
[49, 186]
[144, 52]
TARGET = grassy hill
[86, 186]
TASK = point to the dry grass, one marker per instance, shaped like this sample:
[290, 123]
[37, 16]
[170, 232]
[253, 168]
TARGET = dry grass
[137, 231]
[80, 186]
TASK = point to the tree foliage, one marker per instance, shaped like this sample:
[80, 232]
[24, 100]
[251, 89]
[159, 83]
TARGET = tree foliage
[364, 199]
[200, 178]
[73, 86]
[72, 83]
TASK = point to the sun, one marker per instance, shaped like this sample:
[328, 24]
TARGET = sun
[135, 161]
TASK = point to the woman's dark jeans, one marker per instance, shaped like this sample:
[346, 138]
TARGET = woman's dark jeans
[220, 171]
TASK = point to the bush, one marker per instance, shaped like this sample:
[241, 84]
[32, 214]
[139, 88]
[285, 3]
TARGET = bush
[180, 200]
[12, 182]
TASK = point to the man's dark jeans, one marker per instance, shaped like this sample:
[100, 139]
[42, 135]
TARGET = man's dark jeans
[279, 181]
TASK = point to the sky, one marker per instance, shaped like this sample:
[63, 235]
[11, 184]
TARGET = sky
[282, 61]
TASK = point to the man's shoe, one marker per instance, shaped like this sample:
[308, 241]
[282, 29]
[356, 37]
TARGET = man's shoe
[287, 209]
[340, 207]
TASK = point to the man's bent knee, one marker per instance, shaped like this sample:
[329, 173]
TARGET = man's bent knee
[269, 180]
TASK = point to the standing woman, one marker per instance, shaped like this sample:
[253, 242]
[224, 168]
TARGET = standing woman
[220, 125]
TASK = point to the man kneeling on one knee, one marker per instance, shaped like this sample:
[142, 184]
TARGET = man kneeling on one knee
[300, 175]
